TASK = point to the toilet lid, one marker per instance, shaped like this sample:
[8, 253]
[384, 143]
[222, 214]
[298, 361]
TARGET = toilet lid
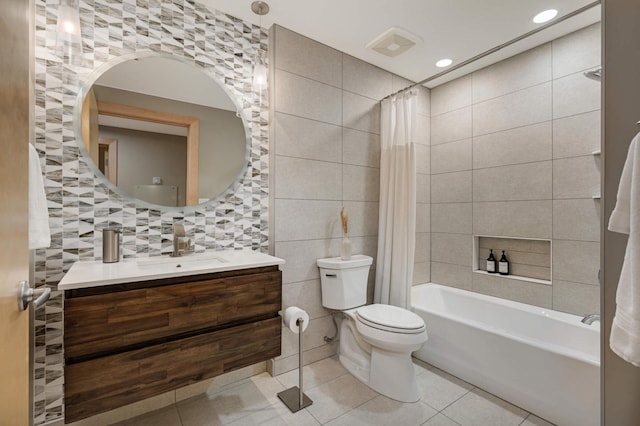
[391, 318]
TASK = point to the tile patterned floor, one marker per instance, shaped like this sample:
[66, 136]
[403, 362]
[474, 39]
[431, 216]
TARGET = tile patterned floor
[340, 399]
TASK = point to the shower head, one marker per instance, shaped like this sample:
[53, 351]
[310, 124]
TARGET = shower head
[594, 74]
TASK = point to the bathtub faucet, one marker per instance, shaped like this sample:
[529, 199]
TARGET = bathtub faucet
[589, 319]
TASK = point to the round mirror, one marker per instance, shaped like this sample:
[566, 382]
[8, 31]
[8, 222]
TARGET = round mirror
[161, 130]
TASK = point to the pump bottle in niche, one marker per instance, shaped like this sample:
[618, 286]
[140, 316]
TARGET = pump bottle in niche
[491, 263]
[503, 267]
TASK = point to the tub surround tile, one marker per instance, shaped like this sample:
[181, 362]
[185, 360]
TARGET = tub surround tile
[576, 135]
[451, 157]
[314, 140]
[576, 298]
[365, 79]
[303, 56]
[439, 389]
[307, 98]
[452, 218]
[532, 181]
[421, 273]
[577, 220]
[451, 96]
[363, 218]
[526, 219]
[451, 126]
[519, 72]
[577, 177]
[423, 130]
[423, 247]
[513, 289]
[385, 411]
[423, 217]
[424, 101]
[577, 51]
[452, 187]
[577, 261]
[309, 179]
[575, 94]
[423, 159]
[423, 188]
[521, 108]
[481, 408]
[451, 275]
[525, 144]
[452, 248]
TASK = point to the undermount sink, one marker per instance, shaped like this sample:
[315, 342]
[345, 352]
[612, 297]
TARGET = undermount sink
[178, 262]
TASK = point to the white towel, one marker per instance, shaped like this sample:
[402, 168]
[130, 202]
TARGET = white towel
[625, 218]
[39, 234]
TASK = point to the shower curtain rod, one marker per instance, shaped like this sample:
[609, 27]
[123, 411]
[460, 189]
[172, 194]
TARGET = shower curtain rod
[499, 47]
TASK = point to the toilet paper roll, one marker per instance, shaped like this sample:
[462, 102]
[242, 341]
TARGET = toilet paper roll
[291, 315]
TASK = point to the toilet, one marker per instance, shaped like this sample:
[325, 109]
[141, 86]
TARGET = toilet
[376, 341]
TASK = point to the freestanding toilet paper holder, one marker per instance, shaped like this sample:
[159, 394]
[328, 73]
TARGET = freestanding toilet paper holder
[294, 398]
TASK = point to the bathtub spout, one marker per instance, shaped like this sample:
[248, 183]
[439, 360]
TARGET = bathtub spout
[590, 318]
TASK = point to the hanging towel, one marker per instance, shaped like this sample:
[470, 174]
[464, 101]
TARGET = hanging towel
[39, 234]
[625, 218]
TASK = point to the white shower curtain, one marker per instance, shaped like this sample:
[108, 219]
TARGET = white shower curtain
[397, 221]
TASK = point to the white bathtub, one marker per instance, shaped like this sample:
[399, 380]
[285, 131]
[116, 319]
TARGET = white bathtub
[543, 361]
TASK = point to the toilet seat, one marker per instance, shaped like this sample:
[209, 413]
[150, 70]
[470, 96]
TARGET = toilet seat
[390, 318]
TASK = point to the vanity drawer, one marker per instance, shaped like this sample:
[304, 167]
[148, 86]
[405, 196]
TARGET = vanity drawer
[156, 311]
[112, 381]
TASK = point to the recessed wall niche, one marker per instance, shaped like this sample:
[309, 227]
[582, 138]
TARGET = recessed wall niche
[80, 204]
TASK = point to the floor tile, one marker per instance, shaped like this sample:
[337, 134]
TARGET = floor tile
[277, 414]
[164, 417]
[385, 411]
[479, 408]
[232, 404]
[440, 420]
[420, 366]
[332, 399]
[535, 421]
[314, 374]
[439, 389]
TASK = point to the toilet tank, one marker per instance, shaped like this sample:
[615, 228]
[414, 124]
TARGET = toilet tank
[344, 282]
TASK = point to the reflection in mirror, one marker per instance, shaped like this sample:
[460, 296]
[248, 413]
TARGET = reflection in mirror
[163, 131]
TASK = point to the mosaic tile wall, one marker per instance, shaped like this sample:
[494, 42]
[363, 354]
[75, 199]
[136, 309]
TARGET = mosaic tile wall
[80, 204]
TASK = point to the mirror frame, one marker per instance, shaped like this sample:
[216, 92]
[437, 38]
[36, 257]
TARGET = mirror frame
[87, 82]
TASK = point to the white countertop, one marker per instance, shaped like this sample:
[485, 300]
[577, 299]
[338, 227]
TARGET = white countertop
[85, 274]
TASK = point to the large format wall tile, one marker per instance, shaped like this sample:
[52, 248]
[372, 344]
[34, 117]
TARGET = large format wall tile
[575, 298]
[451, 275]
[363, 218]
[577, 51]
[576, 220]
[451, 157]
[525, 144]
[360, 148]
[308, 179]
[423, 188]
[516, 73]
[360, 113]
[530, 181]
[575, 94]
[308, 58]
[512, 289]
[304, 138]
[451, 218]
[452, 248]
[451, 187]
[576, 135]
[305, 295]
[301, 257]
[423, 159]
[521, 108]
[526, 219]
[451, 96]
[577, 177]
[365, 79]
[307, 98]
[451, 126]
[307, 219]
[359, 183]
[577, 261]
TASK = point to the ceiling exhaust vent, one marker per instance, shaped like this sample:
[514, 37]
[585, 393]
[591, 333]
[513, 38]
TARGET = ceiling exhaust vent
[394, 42]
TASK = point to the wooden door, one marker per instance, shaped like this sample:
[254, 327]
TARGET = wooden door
[14, 256]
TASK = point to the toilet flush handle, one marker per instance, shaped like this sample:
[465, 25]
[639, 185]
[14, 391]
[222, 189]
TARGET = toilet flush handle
[330, 275]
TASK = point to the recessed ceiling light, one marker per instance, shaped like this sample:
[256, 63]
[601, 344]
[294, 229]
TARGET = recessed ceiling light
[545, 16]
[443, 63]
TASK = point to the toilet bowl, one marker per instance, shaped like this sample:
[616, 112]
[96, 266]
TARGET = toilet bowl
[376, 341]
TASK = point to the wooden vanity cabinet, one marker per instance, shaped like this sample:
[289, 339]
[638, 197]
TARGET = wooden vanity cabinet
[127, 342]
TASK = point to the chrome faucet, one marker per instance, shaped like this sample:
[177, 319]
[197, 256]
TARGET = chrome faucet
[590, 319]
[180, 242]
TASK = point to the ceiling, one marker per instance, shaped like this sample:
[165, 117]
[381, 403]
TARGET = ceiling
[456, 29]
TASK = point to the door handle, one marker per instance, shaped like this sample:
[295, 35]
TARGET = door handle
[27, 295]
